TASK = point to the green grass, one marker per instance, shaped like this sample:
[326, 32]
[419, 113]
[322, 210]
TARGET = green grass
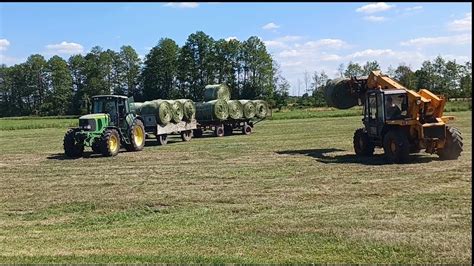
[293, 191]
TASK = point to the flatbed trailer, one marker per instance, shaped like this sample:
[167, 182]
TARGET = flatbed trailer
[183, 128]
[226, 127]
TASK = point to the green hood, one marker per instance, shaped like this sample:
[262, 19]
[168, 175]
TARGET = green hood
[93, 116]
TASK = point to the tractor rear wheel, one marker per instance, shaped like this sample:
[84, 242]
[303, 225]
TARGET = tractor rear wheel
[453, 146]
[137, 136]
[186, 135]
[362, 144]
[219, 131]
[110, 143]
[71, 148]
[162, 139]
[396, 146]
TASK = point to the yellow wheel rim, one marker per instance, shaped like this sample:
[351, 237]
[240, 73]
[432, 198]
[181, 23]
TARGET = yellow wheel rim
[113, 143]
[138, 136]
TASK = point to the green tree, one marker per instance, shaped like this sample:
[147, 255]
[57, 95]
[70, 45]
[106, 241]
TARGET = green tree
[405, 76]
[353, 70]
[59, 92]
[160, 71]
[36, 83]
[369, 67]
[129, 70]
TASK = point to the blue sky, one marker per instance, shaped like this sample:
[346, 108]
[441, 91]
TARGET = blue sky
[300, 36]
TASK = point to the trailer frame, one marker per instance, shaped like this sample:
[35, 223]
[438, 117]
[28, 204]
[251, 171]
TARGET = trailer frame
[161, 132]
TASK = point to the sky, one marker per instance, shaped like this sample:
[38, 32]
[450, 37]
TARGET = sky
[301, 37]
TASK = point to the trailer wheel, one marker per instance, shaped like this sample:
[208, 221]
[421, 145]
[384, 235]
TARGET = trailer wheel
[162, 139]
[197, 132]
[228, 130]
[186, 135]
[219, 131]
[71, 148]
[453, 147]
[246, 129]
[396, 146]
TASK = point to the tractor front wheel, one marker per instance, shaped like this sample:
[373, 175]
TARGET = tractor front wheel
[362, 144]
[396, 146]
[71, 147]
[137, 136]
[453, 147]
[110, 143]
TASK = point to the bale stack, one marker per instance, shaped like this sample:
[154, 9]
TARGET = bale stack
[166, 111]
[218, 95]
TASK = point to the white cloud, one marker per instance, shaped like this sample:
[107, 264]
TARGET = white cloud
[413, 8]
[374, 18]
[231, 38]
[183, 4]
[65, 48]
[4, 43]
[327, 43]
[374, 8]
[464, 24]
[270, 26]
[442, 40]
[9, 61]
[368, 53]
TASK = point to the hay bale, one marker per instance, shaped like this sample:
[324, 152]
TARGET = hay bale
[189, 110]
[249, 108]
[337, 93]
[217, 91]
[236, 109]
[216, 110]
[177, 108]
[160, 108]
[261, 108]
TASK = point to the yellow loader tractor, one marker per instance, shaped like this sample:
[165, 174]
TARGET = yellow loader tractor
[399, 120]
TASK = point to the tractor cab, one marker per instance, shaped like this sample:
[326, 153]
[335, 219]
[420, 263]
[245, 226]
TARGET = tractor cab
[383, 106]
[115, 106]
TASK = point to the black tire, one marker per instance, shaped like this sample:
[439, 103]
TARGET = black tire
[362, 144]
[246, 129]
[396, 146]
[219, 131]
[197, 132]
[453, 146]
[110, 143]
[228, 130]
[186, 135]
[162, 139]
[137, 136]
[71, 147]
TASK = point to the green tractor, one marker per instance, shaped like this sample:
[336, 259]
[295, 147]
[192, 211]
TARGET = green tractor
[113, 123]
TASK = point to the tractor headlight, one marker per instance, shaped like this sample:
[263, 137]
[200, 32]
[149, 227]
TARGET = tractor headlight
[87, 127]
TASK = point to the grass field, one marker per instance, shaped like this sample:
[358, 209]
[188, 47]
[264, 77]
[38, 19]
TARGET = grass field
[293, 191]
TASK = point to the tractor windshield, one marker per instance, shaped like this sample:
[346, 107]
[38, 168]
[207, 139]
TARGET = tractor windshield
[396, 106]
[101, 105]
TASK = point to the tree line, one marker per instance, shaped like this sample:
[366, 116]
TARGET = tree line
[58, 87]
[439, 75]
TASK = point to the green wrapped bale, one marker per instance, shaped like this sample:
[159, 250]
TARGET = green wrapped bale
[261, 108]
[236, 109]
[248, 108]
[215, 92]
[216, 110]
[338, 93]
[177, 108]
[189, 110]
[135, 107]
[160, 108]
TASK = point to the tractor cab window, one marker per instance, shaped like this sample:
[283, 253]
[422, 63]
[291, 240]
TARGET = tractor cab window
[104, 106]
[395, 106]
